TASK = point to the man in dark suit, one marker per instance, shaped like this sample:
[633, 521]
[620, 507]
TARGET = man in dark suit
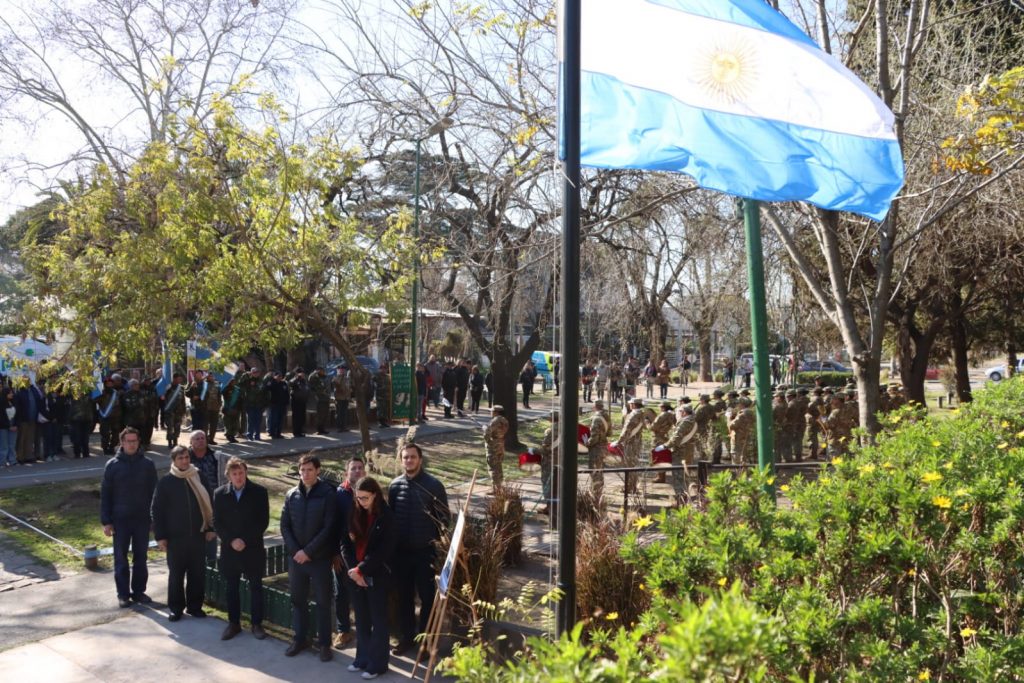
[241, 512]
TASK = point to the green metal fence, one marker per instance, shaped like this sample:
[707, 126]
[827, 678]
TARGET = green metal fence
[277, 604]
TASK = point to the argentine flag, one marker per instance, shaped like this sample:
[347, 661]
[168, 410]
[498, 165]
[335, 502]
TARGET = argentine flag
[734, 95]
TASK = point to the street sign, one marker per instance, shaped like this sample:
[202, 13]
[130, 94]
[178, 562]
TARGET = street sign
[401, 381]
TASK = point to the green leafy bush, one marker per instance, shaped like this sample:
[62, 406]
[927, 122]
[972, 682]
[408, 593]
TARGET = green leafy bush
[828, 379]
[900, 562]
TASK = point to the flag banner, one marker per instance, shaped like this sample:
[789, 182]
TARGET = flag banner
[734, 95]
[167, 369]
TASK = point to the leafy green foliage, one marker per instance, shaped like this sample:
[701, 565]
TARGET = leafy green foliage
[828, 379]
[899, 562]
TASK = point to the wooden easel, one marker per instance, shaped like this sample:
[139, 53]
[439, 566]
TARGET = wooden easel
[435, 622]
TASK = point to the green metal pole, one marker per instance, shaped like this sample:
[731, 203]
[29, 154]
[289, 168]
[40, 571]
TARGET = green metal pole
[413, 395]
[759, 333]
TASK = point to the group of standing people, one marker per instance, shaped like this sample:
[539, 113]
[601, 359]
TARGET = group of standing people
[353, 545]
[448, 384]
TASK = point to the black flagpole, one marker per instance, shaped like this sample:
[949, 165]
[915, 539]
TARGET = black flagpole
[569, 316]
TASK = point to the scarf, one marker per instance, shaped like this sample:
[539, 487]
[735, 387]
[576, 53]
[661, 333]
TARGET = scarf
[191, 475]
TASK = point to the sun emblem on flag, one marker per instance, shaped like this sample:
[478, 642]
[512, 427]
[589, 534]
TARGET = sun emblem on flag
[727, 70]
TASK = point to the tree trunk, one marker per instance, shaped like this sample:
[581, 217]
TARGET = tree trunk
[658, 330]
[915, 348]
[707, 356]
[958, 330]
[866, 372]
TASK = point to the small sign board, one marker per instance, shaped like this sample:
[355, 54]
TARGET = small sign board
[453, 553]
[401, 384]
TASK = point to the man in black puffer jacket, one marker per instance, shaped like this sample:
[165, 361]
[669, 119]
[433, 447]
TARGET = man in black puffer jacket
[307, 524]
[420, 504]
[126, 493]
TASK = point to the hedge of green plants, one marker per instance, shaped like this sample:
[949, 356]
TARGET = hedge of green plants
[827, 379]
[900, 562]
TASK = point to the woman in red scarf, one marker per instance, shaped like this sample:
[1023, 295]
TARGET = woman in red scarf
[367, 549]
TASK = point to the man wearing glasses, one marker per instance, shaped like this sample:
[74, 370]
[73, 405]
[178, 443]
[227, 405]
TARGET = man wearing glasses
[129, 480]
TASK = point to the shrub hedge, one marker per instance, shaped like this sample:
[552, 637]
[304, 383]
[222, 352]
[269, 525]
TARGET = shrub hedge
[828, 379]
[900, 562]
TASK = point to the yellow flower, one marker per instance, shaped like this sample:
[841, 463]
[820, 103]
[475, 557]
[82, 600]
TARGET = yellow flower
[642, 587]
[948, 466]
[911, 572]
[642, 522]
[896, 418]
[784, 488]
[967, 632]
[825, 480]
[837, 461]
[942, 502]
[936, 444]
[1020, 434]
[796, 506]
[931, 477]
[722, 581]
[867, 469]
[961, 492]
[965, 507]
[611, 616]
[770, 481]
[1003, 446]
[1004, 424]
[925, 675]
[887, 465]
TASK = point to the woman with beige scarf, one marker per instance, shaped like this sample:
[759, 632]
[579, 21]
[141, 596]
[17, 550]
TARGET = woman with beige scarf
[182, 523]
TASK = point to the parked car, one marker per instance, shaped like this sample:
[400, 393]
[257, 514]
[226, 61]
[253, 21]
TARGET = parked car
[931, 374]
[997, 373]
[371, 365]
[824, 366]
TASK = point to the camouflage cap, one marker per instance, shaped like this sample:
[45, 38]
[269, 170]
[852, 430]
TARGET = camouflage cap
[780, 394]
[733, 394]
[718, 393]
[816, 391]
[744, 392]
[666, 404]
[637, 401]
[802, 391]
[703, 397]
[684, 400]
[599, 403]
[791, 392]
[498, 408]
[744, 401]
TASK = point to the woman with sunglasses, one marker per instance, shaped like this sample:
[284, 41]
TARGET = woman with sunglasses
[367, 549]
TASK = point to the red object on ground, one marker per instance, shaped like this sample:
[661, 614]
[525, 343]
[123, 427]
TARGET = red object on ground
[615, 450]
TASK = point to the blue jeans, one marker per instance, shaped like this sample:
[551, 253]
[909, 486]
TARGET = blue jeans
[253, 422]
[317, 572]
[8, 456]
[132, 533]
[371, 608]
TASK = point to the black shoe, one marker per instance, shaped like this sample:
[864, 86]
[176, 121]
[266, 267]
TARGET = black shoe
[295, 648]
[258, 633]
[124, 603]
[232, 439]
[175, 616]
[321, 433]
[197, 613]
[298, 436]
[142, 598]
[230, 631]
[212, 442]
[326, 654]
[402, 647]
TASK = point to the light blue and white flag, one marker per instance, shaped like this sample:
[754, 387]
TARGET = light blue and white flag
[734, 95]
[167, 370]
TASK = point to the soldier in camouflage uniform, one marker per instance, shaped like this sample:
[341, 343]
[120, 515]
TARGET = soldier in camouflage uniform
[342, 384]
[779, 428]
[812, 416]
[549, 449]
[704, 415]
[597, 447]
[194, 391]
[320, 391]
[615, 382]
[660, 428]
[382, 395]
[494, 444]
[719, 426]
[896, 399]
[602, 379]
[796, 408]
[682, 441]
[837, 427]
[108, 409]
[174, 409]
[151, 409]
[211, 404]
[741, 432]
[631, 440]
[232, 397]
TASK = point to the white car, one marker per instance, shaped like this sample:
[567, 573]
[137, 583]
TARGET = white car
[997, 373]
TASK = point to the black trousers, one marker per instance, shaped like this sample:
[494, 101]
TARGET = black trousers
[371, 608]
[300, 576]
[414, 575]
[234, 580]
[186, 577]
[298, 417]
[342, 586]
[80, 431]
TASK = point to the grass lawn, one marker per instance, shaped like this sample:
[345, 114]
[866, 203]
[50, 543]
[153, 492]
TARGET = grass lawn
[70, 510]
